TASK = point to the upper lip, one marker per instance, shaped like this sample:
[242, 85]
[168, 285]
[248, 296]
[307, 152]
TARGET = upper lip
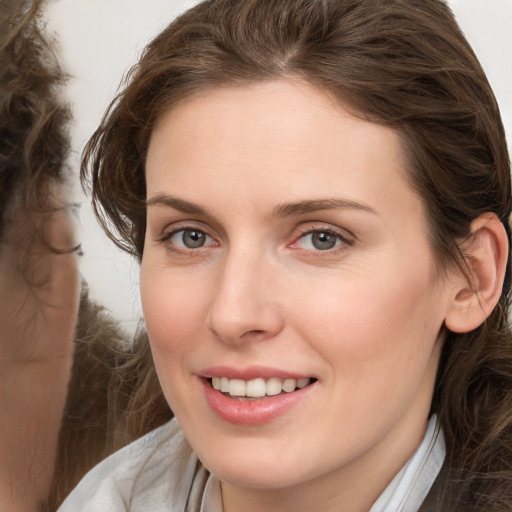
[250, 372]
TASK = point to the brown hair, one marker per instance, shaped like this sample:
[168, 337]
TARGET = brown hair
[33, 123]
[401, 63]
[114, 396]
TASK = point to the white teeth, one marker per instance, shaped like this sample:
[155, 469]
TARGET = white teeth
[257, 388]
[224, 384]
[274, 386]
[237, 387]
[289, 385]
[302, 383]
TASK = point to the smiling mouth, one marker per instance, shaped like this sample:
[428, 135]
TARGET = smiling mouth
[257, 388]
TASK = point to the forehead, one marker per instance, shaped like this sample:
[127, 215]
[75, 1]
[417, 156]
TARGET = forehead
[285, 137]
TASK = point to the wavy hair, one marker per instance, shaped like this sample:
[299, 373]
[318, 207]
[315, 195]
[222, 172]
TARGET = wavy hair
[34, 141]
[401, 63]
[113, 395]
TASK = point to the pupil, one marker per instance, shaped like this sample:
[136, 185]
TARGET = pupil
[323, 240]
[193, 239]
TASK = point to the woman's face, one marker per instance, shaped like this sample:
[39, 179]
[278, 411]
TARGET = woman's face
[287, 258]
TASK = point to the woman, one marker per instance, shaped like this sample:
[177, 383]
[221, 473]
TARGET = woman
[318, 194]
[225, 85]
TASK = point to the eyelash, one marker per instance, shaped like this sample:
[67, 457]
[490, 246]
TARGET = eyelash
[166, 238]
[342, 241]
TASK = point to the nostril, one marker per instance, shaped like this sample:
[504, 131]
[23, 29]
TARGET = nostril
[255, 333]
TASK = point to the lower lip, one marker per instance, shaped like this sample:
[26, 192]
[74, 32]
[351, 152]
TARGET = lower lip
[252, 412]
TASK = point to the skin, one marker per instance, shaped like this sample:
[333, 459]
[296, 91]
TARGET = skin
[365, 318]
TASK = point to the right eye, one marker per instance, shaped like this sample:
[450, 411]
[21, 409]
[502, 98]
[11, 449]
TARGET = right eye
[189, 238]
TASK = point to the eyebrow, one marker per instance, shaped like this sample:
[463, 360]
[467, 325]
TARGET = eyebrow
[176, 203]
[281, 210]
[302, 207]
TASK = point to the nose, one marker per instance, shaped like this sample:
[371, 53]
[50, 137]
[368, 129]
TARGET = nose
[244, 305]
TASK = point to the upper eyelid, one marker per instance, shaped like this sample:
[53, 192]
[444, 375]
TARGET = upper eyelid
[169, 233]
[174, 227]
[162, 225]
[322, 226]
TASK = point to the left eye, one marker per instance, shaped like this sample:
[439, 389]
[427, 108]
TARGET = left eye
[190, 238]
[320, 240]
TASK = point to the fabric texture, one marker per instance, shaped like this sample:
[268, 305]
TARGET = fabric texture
[160, 472]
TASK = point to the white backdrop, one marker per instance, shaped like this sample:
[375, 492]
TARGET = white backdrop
[99, 40]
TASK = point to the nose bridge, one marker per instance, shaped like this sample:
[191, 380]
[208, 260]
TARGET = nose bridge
[243, 305]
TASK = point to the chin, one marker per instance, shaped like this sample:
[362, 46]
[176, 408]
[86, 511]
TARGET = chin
[253, 477]
[256, 467]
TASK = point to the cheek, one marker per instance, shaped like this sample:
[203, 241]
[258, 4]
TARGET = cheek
[173, 306]
[368, 326]
[380, 348]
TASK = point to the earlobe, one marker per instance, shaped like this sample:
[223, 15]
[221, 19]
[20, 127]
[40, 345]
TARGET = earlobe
[478, 286]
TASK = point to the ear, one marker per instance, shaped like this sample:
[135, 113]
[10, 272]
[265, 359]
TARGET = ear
[478, 284]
